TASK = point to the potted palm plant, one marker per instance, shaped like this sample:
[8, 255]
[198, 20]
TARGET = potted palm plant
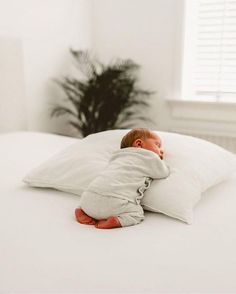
[107, 97]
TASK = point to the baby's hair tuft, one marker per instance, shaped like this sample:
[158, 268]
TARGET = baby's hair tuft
[134, 134]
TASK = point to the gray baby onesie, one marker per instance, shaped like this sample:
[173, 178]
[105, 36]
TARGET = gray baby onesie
[118, 190]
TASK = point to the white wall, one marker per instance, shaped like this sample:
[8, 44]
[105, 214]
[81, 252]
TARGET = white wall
[151, 33]
[46, 29]
[12, 91]
[146, 32]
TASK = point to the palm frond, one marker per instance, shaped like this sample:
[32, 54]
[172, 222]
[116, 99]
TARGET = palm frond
[107, 98]
[62, 110]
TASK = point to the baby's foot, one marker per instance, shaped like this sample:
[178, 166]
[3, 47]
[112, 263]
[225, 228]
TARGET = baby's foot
[83, 218]
[110, 223]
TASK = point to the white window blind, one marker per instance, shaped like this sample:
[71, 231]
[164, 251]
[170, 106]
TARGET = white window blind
[210, 50]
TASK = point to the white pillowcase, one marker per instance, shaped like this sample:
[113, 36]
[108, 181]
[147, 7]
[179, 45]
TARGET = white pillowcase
[195, 165]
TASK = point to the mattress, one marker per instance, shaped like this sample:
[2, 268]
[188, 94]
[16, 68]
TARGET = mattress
[44, 250]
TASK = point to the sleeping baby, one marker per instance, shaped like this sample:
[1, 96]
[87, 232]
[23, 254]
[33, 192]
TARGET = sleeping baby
[112, 199]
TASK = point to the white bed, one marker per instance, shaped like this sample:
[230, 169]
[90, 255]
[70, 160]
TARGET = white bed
[44, 250]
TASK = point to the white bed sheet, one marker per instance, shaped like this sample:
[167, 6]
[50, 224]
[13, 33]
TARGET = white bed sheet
[44, 250]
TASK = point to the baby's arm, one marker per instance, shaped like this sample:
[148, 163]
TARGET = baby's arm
[160, 169]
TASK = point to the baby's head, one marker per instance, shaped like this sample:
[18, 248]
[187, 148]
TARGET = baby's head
[143, 138]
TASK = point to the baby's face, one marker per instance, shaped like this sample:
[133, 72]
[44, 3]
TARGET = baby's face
[153, 144]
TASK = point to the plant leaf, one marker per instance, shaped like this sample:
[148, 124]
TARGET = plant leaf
[107, 98]
[61, 110]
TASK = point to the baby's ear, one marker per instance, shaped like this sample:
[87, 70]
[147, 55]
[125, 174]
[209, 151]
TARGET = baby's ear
[137, 143]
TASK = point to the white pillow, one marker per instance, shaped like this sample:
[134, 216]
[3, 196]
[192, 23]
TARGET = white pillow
[195, 165]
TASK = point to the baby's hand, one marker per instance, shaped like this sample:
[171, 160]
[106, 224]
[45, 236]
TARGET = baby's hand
[161, 154]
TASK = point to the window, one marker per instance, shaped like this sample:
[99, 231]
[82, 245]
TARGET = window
[209, 68]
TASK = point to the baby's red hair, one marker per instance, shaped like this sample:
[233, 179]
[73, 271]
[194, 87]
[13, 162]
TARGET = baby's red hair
[134, 134]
